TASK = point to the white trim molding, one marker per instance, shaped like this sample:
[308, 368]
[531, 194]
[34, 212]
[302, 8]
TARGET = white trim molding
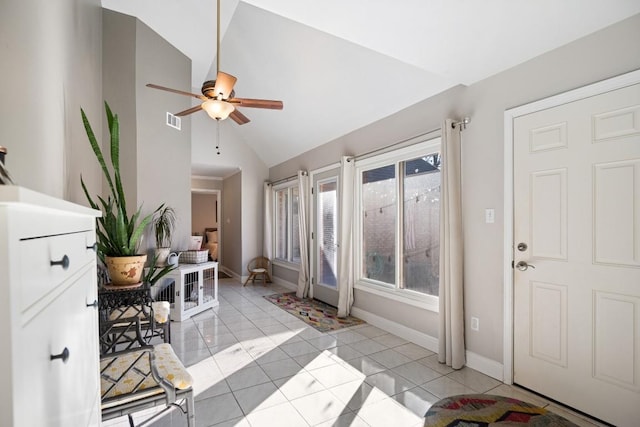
[208, 178]
[510, 115]
[229, 272]
[474, 361]
[485, 365]
[409, 334]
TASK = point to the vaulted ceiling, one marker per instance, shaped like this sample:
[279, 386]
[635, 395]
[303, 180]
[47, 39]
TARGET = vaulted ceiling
[339, 65]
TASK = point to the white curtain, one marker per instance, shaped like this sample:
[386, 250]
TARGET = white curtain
[345, 237]
[451, 337]
[303, 202]
[267, 241]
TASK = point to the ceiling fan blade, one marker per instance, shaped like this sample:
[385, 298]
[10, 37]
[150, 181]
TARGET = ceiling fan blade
[224, 84]
[257, 103]
[238, 117]
[189, 111]
[179, 92]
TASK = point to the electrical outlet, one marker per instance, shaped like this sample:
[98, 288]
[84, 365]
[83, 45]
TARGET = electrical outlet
[475, 324]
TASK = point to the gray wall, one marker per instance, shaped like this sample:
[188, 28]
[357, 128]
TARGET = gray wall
[286, 274]
[155, 158]
[164, 153]
[51, 66]
[203, 212]
[232, 224]
[604, 54]
[118, 83]
[253, 178]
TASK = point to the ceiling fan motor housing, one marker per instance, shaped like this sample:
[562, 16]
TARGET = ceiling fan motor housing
[208, 90]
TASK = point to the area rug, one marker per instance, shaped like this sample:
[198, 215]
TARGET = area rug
[321, 316]
[481, 410]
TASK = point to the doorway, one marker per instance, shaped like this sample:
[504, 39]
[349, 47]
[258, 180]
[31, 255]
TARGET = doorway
[205, 214]
[324, 254]
[575, 249]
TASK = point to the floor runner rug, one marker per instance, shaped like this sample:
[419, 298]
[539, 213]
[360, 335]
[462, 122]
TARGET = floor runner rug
[321, 316]
[482, 410]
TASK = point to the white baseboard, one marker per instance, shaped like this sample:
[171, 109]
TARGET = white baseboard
[486, 366]
[474, 361]
[409, 334]
[231, 273]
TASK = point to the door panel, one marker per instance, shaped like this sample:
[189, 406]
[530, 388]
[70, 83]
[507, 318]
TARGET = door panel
[577, 208]
[617, 222]
[325, 233]
[548, 203]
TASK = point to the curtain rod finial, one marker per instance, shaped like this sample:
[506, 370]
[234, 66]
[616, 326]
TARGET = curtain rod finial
[463, 123]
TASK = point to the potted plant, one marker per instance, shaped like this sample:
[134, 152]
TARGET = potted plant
[118, 234]
[156, 272]
[164, 222]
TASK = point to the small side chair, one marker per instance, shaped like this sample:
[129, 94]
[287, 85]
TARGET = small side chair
[259, 267]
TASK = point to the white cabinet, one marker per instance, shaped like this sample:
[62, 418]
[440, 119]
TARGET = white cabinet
[48, 320]
[195, 289]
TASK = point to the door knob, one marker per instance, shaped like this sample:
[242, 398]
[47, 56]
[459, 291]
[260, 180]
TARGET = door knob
[522, 246]
[523, 266]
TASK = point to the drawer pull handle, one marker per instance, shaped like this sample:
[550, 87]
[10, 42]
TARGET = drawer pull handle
[64, 355]
[93, 247]
[94, 304]
[64, 262]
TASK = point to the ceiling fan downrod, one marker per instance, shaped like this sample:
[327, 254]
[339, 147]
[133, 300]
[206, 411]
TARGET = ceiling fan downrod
[218, 38]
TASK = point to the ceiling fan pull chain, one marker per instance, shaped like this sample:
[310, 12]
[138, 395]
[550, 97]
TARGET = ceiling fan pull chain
[218, 136]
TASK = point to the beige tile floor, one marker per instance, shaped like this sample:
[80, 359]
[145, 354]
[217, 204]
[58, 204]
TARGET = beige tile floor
[256, 365]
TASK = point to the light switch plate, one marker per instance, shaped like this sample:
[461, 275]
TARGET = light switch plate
[489, 216]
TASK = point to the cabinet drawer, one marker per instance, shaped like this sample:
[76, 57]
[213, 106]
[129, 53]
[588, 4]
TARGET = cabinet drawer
[48, 261]
[57, 392]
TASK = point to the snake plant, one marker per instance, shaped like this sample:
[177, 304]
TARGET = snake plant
[118, 233]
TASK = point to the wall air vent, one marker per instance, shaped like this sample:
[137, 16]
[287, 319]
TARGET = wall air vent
[173, 121]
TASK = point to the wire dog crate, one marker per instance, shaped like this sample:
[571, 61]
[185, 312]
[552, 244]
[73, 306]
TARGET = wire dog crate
[190, 289]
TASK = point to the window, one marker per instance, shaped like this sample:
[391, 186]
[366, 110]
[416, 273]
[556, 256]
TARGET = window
[287, 240]
[399, 221]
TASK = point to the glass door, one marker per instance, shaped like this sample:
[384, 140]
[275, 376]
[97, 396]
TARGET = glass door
[325, 237]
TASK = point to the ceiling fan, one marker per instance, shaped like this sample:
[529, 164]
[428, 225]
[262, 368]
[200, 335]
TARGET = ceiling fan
[218, 96]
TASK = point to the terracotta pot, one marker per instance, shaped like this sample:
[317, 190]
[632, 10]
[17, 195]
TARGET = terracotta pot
[125, 270]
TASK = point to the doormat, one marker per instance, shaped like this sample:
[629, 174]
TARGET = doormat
[321, 316]
[482, 410]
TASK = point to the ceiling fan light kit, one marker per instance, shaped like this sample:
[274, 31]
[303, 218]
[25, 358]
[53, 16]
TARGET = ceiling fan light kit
[217, 109]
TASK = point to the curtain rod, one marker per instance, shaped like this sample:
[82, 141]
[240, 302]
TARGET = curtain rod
[289, 178]
[462, 123]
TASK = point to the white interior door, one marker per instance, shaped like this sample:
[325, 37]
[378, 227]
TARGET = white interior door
[324, 280]
[577, 221]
